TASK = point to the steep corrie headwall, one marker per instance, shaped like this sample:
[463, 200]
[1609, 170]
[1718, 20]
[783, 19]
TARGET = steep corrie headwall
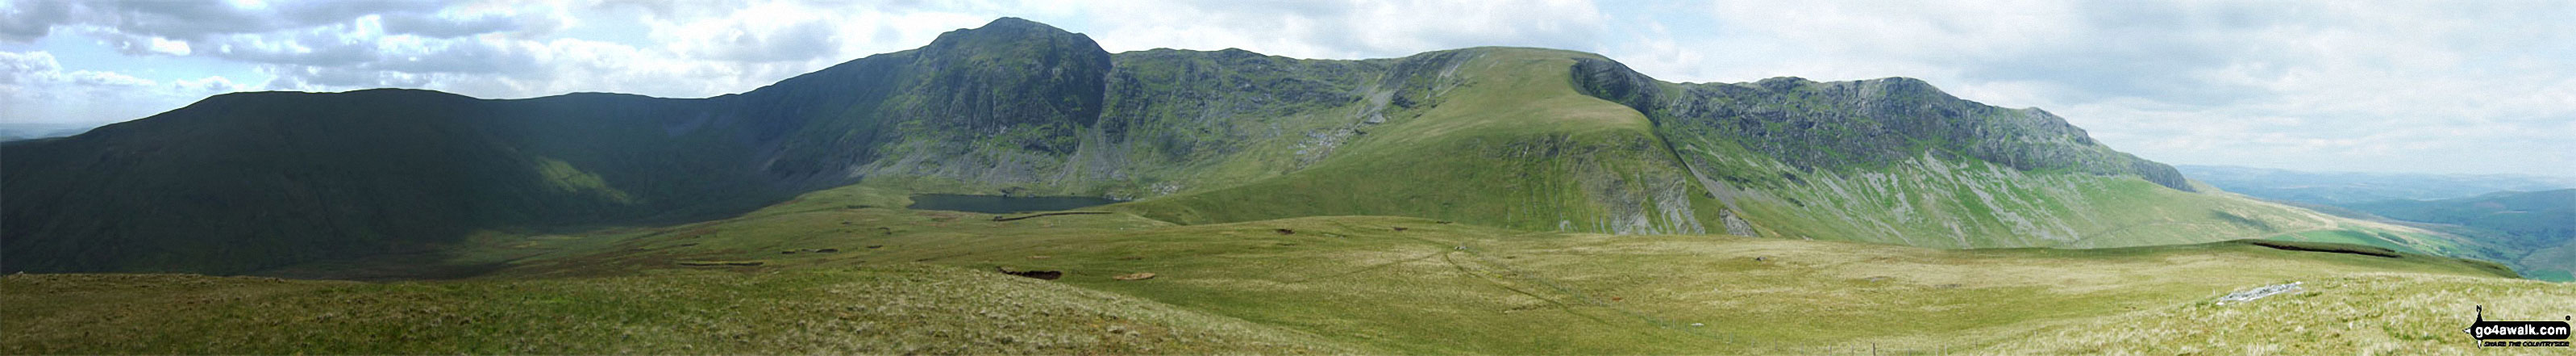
[1897, 161]
[1495, 136]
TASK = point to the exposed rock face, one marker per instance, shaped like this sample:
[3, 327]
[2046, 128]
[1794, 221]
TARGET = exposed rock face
[1008, 74]
[1897, 161]
[1869, 123]
[1876, 122]
[974, 104]
[1613, 81]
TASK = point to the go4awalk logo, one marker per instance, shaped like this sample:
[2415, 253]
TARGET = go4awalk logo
[2518, 333]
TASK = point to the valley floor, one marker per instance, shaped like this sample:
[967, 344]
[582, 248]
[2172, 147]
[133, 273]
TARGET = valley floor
[838, 271]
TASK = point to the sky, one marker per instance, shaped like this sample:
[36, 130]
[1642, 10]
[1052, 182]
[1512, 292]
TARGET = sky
[2477, 87]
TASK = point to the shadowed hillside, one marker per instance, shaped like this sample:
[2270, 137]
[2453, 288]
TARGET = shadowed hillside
[247, 181]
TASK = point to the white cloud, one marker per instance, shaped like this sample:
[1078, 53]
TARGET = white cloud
[169, 47]
[37, 90]
[767, 32]
[1347, 29]
[697, 48]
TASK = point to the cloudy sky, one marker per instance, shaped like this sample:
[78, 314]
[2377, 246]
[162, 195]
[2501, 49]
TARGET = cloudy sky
[2381, 86]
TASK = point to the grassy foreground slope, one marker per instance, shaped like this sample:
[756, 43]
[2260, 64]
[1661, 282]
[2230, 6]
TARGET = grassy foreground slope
[1344, 283]
[2366, 313]
[875, 308]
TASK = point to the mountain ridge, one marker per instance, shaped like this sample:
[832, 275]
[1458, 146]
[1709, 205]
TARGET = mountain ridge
[1532, 139]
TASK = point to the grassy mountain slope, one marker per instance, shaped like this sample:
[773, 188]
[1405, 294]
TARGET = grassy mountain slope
[1552, 140]
[920, 280]
[248, 181]
[1501, 138]
[889, 308]
[1175, 120]
[1898, 161]
[253, 180]
[2362, 313]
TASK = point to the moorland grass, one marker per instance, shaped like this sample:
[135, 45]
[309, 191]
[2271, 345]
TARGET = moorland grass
[921, 281]
[872, 308]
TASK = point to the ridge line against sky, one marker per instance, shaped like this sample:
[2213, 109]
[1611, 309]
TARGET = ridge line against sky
[2425, 86]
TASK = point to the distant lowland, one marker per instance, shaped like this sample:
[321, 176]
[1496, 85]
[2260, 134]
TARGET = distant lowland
[2335, 188]
[22, 131]
[2524, 220]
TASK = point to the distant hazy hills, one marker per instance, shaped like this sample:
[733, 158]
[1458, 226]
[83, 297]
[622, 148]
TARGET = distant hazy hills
[2530, 213]
[1531, 139]
[2534, 231]
[2526, 221]
[2336, 188]
[22, 131]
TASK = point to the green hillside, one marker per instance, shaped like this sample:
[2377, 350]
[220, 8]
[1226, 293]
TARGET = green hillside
[835, 271]
[1539, 139]
[248, 181]
[244, 181]
[1500, 138]
[889, 308]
